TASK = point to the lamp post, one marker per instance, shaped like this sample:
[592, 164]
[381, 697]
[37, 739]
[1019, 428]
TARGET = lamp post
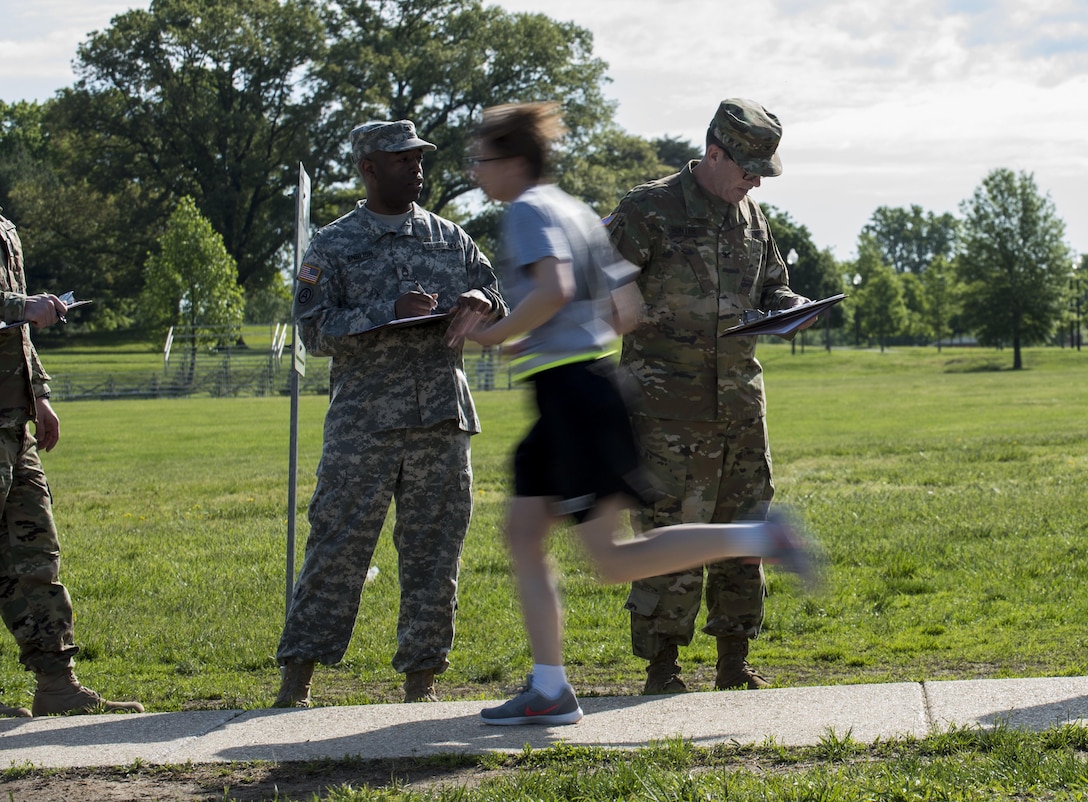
[1074, 285]
[1072, 320]
[793, 258]
[1078, 312]
[857, 313]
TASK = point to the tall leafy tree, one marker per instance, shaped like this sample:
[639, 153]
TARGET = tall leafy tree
[1013, 261]
[910, 239]
[676, 152]
[815, 273]
[914, 304]
[22, 146]
[75, 237]
[939, 294]
[878, 297]
[440, 62]
[206, 98]
[603, 169]
[192, 280]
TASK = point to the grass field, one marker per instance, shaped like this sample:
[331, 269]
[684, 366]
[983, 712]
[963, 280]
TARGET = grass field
[948, 492]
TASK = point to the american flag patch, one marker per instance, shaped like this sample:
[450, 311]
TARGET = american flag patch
[309, 273]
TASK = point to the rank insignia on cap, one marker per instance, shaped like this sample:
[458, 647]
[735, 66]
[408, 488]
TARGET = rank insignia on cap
[309, 273]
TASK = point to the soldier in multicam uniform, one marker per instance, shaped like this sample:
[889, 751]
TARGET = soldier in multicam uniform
[707, 255]
[34, 604]
[399, 420]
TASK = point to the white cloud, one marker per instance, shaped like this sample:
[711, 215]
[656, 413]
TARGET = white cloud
[39, 42]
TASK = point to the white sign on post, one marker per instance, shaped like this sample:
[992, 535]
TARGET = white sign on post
[166, 348]
[300, 355]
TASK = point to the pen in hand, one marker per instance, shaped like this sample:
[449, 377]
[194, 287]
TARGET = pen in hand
[434, 298]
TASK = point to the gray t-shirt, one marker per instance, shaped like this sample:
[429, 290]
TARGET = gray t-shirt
[544, 221]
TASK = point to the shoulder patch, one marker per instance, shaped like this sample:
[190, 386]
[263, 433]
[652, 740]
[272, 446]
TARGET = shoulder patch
[309, 273]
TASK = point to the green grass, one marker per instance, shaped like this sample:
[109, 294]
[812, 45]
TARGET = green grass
[957, 765]
[948, 494]
[947, 491]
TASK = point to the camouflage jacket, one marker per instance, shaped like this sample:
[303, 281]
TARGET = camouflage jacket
[351, 276]
[703, 262]
[22, 377]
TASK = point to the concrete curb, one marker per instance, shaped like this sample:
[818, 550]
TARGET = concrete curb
[786, 716]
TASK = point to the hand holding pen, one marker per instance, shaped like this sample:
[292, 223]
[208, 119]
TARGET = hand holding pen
[417, 303]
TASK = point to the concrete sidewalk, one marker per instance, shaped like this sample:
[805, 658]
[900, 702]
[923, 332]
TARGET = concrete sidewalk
[789, 716]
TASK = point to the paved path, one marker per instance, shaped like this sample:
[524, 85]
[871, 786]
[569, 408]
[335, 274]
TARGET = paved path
[789, 716]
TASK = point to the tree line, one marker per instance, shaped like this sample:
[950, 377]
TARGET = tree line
[204, 109]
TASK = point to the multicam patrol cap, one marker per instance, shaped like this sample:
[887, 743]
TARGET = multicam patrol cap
[392, 137]
[750, 135]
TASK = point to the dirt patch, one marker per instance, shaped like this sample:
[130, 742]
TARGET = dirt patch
[251, 782]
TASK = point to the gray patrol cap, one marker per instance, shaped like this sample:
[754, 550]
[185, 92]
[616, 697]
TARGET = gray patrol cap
[392, 137]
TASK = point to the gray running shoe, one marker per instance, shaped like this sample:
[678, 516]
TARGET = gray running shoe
[532, 707]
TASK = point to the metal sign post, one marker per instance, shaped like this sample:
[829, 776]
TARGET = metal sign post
[298, 368]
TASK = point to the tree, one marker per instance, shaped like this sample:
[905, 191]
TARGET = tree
[221, 100]
[607, 166]
[914, 304]
[1013, 261]
[209, 99]
[440, 63]
[939, 298]
[22, 147]
[192, 281]
[676, 152]
[879, 298]
[815, 273]
[910, 239]
[89, 251]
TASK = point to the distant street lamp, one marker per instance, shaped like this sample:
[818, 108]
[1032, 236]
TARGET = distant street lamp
[793, 258]
[1074, 324]
[857, 314]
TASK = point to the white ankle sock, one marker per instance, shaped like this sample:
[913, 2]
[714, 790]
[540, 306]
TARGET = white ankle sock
[549, 680]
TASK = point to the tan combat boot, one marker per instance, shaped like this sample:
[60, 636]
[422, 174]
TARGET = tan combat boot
[295, 684]
[14, 712]
[733, 668]
[663, 673]
[419, 686]
[60, 693]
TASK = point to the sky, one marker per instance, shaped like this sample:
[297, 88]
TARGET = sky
[883, 102]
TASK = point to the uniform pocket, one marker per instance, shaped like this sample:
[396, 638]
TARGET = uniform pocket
[641, 601]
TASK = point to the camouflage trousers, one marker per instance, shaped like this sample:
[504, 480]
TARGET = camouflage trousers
[709, 472]
[428, 475]
[35, 606]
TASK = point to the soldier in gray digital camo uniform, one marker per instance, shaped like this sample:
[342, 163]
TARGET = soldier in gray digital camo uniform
[399, 419]
[35, 606]
[707, 255]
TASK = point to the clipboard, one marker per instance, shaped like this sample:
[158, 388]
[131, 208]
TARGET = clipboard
[783, 322]
[408, 322]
